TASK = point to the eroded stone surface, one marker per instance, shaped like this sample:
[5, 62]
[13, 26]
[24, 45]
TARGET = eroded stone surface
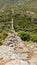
[17, 62]
[7, 53]
[8, 56]
[15, 52]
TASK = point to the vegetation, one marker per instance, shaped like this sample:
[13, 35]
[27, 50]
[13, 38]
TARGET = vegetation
[5, 23]
[24, 13]
[26, 26]
[24, 36]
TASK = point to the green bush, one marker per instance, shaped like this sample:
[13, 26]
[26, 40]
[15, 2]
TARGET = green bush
[34, 38]
[24, 36]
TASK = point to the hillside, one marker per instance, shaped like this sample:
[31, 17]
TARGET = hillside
[5, 24]
[26, 26]
[20, 4]
[18, 32]
[24, 20]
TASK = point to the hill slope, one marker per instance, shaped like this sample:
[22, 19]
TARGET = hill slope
[25, 17]
[23, 4]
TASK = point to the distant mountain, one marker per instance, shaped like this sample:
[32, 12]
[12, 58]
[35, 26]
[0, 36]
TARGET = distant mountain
[8, 2]
[20, 4]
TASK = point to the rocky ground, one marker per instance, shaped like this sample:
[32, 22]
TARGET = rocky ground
[15, 52]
